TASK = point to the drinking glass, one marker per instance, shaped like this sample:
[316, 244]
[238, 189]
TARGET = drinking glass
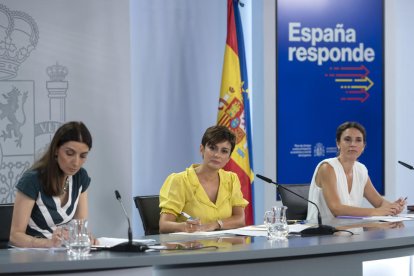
[276, 223]
[78, 238]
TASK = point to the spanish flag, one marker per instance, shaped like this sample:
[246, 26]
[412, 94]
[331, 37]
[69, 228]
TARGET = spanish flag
[234, 110]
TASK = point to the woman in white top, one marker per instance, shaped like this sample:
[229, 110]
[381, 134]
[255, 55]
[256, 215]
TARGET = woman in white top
[339, 184]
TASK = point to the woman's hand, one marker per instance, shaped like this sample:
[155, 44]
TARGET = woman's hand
[58, 238]
[389, 209]
[192, 225]
[401, 202]
[94, 241]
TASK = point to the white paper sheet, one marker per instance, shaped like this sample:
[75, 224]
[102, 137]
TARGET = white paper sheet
[388, 218]
[252, 230]
[105, 242]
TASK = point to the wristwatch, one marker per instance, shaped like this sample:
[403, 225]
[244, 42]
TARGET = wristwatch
[220, 223]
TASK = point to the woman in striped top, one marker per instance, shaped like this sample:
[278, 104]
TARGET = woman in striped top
[53, 190]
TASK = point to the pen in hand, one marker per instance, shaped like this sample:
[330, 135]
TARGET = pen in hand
[402, 202]
[187, 216]
[192, 224]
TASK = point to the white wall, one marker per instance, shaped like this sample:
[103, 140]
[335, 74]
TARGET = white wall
[400, 97]
[269, 46]
[178, 49]
[91, 39]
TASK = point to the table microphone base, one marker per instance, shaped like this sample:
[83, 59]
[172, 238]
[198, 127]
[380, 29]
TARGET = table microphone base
[129, 247]
[320, 230]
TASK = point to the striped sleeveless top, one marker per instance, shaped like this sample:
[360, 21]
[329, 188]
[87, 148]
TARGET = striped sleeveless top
[48, 213]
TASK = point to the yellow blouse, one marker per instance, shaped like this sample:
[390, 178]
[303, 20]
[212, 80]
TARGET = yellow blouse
[182, 192]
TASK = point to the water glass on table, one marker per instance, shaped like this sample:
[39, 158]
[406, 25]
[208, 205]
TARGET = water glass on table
[79, 243]
[276, 223]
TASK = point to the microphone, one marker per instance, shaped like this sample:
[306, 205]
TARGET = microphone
[129, 246]
[406, 165]
[320, 230]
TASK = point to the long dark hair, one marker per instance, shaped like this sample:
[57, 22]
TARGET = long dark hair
[48, 167]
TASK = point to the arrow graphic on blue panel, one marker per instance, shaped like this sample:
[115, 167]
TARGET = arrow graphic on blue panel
[354, 80]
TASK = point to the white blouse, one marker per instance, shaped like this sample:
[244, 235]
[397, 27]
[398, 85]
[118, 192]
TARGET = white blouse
[353, 198]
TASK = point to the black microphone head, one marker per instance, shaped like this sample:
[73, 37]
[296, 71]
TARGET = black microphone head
[264, 178]
[118, 196]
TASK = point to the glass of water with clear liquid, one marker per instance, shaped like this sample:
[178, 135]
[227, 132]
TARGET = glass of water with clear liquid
[79, 243]
[276, 223]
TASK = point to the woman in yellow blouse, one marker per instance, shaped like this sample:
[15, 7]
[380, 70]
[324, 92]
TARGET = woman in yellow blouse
[206, 192]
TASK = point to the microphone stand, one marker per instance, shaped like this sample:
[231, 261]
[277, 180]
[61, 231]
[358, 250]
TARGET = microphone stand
[320, 230]
[130, 245]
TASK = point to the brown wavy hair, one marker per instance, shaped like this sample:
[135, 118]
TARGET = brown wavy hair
[218, 134]
[49, 171]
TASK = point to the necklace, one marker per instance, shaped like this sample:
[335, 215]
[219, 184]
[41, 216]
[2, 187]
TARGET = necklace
[66, 186]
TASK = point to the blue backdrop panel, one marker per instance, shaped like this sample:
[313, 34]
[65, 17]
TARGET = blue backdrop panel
[329, 70]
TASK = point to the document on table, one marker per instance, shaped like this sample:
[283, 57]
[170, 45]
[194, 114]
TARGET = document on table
[388, 218]
[400, 217]
[252, 230]
[350, 217]
[105, 242]
[411, 216]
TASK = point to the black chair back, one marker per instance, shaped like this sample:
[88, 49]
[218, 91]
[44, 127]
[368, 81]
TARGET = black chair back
[6, 214]
[297, 207]
[149, 210]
